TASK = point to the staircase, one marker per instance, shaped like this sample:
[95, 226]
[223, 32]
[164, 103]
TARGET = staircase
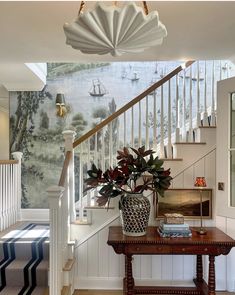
[24, 252]
[176, 116]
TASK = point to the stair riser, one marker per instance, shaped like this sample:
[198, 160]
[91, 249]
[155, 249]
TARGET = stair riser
[15, 276]
[23, 251]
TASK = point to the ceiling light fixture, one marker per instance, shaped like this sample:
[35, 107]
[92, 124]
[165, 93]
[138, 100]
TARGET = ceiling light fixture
[115, 30]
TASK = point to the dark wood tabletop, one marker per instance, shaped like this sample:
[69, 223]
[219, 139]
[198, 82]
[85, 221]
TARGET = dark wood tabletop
[213, 243]
[213, 236]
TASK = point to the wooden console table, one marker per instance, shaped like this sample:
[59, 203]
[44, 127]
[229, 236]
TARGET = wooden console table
[214, 243]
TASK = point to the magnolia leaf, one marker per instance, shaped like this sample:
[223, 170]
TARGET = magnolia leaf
[102, 200]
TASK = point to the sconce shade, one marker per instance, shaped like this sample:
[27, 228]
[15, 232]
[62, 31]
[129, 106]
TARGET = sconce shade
[60, 100]
[200, 182]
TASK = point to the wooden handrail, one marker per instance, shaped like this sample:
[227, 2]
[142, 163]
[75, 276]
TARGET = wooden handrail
[130, 104]
[64, 171]
[5, 162]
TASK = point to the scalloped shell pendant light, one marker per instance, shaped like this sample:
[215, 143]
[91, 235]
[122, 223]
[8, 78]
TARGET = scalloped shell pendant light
[115, 30]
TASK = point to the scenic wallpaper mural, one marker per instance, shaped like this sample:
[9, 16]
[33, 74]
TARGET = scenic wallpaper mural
[92, 92]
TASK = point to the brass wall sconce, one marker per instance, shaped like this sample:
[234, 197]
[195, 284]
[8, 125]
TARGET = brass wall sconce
[61, 109]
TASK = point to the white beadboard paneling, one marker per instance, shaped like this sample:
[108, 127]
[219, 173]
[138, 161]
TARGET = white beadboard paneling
[189, 177]
[136, 266]
[113, 258]
[122, 266]
[103, 250]
[221, 272]
[178, 267]
[93, 258]
[157, 267]
[145, 266]
[210, 170]
[167, 267]
[82, 260]
[188, 267]
[199, 169]
[178, 181]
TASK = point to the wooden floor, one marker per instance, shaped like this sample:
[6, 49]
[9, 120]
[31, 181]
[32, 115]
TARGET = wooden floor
[119, 292]
[97, 292]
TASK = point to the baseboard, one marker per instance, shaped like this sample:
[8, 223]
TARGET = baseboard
[35, 214]
[115, 283]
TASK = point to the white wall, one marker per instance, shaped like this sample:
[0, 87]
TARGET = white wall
[99, 267]
[4, 124]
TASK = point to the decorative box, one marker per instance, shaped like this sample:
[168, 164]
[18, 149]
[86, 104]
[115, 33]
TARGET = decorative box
[174, 218]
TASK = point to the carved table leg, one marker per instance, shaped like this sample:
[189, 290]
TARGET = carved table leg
[199, 268]
[211, 280]
[129, 281]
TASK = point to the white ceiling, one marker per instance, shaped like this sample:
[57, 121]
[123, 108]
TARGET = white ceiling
[33, 31]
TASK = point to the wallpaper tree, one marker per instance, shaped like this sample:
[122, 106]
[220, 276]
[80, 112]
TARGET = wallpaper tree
[22, 127]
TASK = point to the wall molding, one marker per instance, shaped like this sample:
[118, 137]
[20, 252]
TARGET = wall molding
[116, 283]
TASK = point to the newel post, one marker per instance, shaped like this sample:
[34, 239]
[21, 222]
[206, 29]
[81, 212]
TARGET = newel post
[18, 156]
[55, 194]
[69, 136]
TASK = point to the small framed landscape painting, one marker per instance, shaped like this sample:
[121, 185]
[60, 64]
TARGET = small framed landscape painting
[185, 202]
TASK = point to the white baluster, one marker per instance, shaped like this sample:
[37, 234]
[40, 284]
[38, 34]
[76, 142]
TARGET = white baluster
[213, 120]
[154, 120]
[205, 114]
[88, 163]
[18, 156]
[124, 128]
[162, 153]
[69, 136]
[132, 126]
[177, 116]
[81, 162]
[55, 194]
[169, 143]
[198, 96]
[140, 126]
[102, 150]
[220, 70]
[96, 150]
[111, 144]
[147, 123]
[184, 109]
[190, 139]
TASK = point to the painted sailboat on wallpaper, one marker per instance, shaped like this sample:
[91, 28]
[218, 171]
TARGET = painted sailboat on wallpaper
[97, 88]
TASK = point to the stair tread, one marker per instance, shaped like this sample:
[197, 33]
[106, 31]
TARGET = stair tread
[16, 290]
[79, 222]
[19, 264]
[190, 143]
[207, 126]
[171, 159]
[98, 207]
[69, 264]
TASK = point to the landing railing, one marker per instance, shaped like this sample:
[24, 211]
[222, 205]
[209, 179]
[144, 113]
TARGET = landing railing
[10, 191]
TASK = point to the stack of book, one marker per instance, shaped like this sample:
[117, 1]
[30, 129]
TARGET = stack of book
[174, 230]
